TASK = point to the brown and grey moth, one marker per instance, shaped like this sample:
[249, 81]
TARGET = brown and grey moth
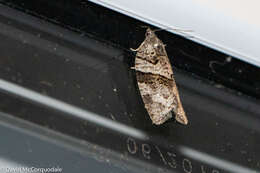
[156, 81]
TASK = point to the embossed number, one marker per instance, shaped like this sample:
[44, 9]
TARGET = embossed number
[146, 149]
[131, 146]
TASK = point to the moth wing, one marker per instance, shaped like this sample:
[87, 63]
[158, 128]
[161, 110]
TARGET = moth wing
[180, 115]
[157, 95]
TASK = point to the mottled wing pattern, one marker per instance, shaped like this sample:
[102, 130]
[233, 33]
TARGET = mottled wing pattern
[156, 92]
[156, 81]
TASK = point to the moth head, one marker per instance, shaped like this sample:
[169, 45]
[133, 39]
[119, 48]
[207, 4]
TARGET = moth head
[152, 38]
[150, 33]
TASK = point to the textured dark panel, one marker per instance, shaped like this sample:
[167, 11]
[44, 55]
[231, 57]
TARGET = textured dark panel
[94, 75]
[87, 18]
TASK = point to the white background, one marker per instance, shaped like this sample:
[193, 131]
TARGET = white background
[231, 26]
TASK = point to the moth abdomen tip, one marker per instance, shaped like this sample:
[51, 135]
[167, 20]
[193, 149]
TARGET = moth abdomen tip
[182, 119]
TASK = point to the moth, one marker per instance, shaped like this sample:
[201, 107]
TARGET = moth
[156, 81]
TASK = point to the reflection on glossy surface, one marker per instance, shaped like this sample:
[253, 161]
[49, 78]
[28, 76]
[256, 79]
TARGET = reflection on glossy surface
[70, 109]
[214, 161]
[9, 166]
[26, 145]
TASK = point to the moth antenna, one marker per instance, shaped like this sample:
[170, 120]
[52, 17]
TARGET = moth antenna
[182, 31]
[144, 26]
[177, 30]
[168, 28]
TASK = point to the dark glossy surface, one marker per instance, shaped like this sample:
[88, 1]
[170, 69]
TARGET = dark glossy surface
[94, 77]
[87, 18]
[26, 145]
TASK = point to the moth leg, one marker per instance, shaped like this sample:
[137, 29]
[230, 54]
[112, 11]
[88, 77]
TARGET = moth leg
[133, 68]
[168, 115]
[134, 50]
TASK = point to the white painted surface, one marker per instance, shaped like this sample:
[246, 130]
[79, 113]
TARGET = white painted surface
[230, 26]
